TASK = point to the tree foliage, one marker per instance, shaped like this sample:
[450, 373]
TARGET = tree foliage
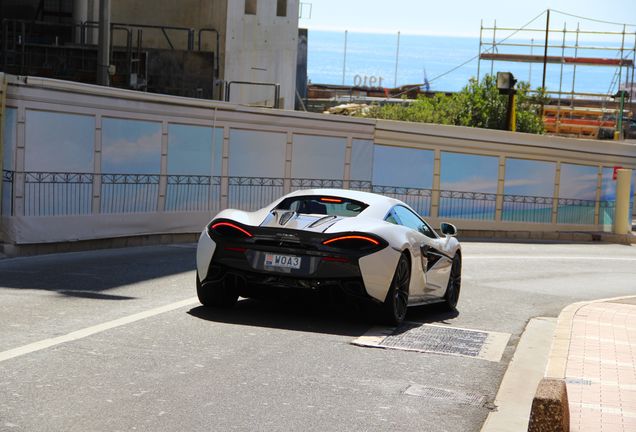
[478, 104]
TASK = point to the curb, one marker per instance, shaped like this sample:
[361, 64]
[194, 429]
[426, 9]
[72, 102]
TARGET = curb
[560, 349]
[550, 408]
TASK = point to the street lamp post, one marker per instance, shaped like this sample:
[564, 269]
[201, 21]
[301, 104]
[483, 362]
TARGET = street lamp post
[506, 85]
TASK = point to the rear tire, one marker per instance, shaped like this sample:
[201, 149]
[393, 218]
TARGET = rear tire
[451, 297]
[220, 294]
[397, 299]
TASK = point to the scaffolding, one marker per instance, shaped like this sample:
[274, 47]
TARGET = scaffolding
[571, 112]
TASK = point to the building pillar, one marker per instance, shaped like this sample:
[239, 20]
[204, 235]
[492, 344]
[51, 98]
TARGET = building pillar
[599, 190]
[289, 148]
[20, 163]
[163, 177]
[103, 44]
[622, 214]
[501, 177]
[225, 167]
[437, 165]
[347, 164]
[80, 16]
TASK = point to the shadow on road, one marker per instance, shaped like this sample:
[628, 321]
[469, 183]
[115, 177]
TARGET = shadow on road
[88, 274]
[310, 316]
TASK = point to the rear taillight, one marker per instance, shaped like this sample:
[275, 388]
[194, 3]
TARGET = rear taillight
[228, 229]
[353, 242]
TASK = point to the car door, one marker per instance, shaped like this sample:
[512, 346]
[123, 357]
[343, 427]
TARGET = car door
[436, 263]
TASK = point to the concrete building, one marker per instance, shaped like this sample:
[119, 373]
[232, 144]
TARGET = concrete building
[194, 48]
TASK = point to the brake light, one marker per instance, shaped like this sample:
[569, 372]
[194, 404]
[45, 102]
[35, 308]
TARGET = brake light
[352, 242]
[236, 249]
[335, 259]
[331, 200]
[351, 237]
[228, 228]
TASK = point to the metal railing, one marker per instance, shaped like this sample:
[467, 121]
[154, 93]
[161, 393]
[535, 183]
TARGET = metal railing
[193, 193]
[522, 208]
[576, 211]
[276, 86]
[58, 193]
[129, 193]
[606, 212]
[418, 199]
[300, 183]
[467, 205]
[253, 193]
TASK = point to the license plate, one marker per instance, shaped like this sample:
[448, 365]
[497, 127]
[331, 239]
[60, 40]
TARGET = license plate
[283, 261]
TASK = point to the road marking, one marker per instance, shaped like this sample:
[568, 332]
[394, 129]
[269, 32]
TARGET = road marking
[548, 257]
[88, 331]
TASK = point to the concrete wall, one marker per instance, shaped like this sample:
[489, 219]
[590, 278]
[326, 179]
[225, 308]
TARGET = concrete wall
[195, 14]
[263, 48]
[295, 133]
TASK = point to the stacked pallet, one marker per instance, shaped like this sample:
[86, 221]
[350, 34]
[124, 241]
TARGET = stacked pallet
[579, 122]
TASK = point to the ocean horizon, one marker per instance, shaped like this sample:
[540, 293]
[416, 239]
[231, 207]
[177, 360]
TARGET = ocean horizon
[426, 57]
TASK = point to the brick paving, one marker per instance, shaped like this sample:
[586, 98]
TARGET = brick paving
[601, 367]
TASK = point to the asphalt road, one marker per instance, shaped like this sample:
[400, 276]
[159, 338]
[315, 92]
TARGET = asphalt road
[114, 341]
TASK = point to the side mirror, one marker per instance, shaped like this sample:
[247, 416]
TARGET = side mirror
[448, 229]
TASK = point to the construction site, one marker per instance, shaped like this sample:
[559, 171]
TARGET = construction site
[570, 110]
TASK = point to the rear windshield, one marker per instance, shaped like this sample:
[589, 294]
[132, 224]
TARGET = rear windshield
[322, 205]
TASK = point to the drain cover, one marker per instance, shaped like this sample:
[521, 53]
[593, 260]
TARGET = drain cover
[578, 381]
[454, 396]
[445, 340]
[438, 339]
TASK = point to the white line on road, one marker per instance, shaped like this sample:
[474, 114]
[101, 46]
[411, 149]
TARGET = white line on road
[547, 257]
[88, 331]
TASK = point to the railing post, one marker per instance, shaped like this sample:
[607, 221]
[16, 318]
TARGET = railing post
[599, 189]
[225, 166]
[501, 177]
[555, 194]
[163, 177]
[97, 167]
[436, 184]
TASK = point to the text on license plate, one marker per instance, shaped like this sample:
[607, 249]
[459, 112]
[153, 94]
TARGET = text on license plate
[285, 261]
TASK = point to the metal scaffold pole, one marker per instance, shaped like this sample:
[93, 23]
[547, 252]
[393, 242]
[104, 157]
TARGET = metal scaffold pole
[558, 120]
[545, 50]
[576, 53]
[481, 29]
[492, 49]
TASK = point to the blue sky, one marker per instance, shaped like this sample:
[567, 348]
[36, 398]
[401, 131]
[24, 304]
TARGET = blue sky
[456, 18]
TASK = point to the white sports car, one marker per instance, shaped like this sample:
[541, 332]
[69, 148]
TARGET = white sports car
[367, 246]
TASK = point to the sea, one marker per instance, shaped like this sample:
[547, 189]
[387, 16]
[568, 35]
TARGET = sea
[447, 63]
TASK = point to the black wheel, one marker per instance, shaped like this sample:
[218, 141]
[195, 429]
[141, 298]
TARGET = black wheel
[397, 299]
[220, 293]
[454, 283]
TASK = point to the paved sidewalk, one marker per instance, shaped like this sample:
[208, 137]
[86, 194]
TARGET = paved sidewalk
[595, 350]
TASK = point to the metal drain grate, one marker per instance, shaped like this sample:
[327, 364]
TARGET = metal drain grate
[465, 398]
[445, 340]
[430, 338]
[578, 381]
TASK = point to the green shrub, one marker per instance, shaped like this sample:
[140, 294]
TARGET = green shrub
[478, 104]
